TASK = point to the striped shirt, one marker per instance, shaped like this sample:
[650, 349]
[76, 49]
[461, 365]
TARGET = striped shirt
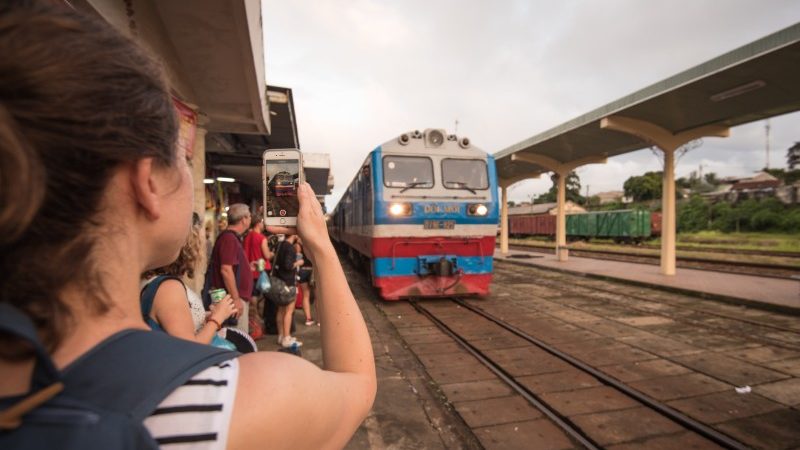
[197, 415]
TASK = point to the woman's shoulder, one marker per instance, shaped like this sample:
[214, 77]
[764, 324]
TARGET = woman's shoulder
[209, 398]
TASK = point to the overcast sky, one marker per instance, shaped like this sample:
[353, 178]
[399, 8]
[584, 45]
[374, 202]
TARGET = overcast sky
[364, 72]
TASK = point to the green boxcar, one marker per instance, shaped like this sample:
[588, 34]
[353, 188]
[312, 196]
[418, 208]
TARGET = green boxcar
[624, 224]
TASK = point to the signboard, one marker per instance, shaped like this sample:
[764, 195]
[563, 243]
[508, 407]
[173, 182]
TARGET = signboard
[187, 126]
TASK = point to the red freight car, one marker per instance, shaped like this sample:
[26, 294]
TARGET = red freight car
[539, 224]
[655, 224]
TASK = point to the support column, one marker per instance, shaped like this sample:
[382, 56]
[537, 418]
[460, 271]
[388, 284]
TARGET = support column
[668, 143]
[562, 253]
[198, 174]
[504, 220]
[561, 170]
[668, 217]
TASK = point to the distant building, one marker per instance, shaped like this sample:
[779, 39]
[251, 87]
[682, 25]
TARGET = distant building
[611, 197]
[545, 208]
[762, 185]
[789, 194]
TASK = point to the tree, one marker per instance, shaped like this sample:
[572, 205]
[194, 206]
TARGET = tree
[644, 187]
[786, 176]
[793, 155]
[573, 194]
[711, 179]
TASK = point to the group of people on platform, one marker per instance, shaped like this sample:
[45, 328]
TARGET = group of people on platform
[96, 233]
[234, 267]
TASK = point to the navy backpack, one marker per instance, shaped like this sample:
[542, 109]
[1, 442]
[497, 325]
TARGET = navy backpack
[102, 398]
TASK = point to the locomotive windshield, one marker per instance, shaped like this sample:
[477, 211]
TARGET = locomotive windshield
[465, 174]
[407, 172]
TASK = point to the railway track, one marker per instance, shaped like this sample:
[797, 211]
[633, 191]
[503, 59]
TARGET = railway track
[451, 320]
[738, 267]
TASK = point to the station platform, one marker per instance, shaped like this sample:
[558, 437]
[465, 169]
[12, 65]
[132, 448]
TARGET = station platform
[773, 293]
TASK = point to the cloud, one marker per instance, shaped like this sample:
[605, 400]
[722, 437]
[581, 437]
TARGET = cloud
[365, 71]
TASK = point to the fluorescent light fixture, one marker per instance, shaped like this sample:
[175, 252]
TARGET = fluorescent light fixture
[208, 181]
[738, 90]
[226, 179]
[277, 97]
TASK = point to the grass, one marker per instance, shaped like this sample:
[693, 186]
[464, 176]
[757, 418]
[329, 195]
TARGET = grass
[780, 242]
[692, 246]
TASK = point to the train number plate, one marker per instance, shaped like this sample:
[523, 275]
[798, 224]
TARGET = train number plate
[440, 224]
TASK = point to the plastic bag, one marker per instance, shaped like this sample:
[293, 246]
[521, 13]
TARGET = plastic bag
[263, 284]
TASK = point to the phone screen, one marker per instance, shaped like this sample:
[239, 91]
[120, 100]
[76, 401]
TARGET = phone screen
[283, 177]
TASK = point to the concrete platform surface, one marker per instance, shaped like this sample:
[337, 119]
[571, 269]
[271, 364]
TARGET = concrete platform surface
[784, 293]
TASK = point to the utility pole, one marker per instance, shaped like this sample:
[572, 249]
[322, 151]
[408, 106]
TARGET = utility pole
[766, 128]
[456, 130]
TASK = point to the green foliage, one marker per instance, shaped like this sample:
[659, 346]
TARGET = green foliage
[694, 215]
[711, 179]
[768, 215]
[573, 193]
[786, 176]
[793, 156]
[644, 187]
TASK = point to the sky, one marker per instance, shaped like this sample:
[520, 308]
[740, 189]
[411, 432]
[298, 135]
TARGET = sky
[363, 72]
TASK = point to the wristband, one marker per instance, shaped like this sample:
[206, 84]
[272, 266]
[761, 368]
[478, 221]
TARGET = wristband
[219, 326]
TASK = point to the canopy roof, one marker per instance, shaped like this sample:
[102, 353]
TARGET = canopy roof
[754, 82]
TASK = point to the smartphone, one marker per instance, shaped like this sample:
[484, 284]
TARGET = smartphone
[281, 174]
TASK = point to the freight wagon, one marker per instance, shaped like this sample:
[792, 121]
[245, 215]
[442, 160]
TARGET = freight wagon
[626, 225]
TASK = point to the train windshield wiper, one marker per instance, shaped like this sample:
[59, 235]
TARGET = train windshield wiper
[460, 185]
[413, 184]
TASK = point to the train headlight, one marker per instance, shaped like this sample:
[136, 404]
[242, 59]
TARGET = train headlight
[400, 209]
[477, 209]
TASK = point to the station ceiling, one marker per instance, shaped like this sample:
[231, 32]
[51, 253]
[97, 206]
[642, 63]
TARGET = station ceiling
[238, 155]
[751, 83]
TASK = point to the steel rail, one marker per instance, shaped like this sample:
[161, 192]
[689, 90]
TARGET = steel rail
[686, 421]
[562, 422]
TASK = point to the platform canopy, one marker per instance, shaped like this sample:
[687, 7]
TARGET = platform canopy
[753, 82]
[238, 155]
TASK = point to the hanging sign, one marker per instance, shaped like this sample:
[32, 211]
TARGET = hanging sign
[187, 126]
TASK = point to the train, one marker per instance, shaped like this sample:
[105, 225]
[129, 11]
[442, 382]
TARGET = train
[626, 225]
[283, 184]
[422, 213]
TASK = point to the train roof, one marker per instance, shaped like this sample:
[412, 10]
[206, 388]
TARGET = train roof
[432, 141]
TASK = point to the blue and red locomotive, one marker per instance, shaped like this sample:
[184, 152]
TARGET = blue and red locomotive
[423, 212]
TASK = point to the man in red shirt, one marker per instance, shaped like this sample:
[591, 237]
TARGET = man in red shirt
[231, 267]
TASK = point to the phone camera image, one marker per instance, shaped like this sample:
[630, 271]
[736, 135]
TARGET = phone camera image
[283, 177]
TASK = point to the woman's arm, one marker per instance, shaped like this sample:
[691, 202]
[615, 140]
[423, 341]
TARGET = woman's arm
[171, 311]
[315, 408]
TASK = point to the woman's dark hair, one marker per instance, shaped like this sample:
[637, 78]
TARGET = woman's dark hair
[77, 99]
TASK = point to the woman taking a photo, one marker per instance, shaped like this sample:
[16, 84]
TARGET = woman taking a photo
[91, 177]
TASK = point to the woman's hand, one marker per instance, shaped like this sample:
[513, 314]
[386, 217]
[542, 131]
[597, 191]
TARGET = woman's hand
[311, 225]
[222, 310]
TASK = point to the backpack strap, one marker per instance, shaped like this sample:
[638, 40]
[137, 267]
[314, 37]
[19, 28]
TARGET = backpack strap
[46, 382]
[148, 296]
[134, 370]
[275, 258]
[15, 322]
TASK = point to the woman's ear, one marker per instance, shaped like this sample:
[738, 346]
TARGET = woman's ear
[145, 188]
